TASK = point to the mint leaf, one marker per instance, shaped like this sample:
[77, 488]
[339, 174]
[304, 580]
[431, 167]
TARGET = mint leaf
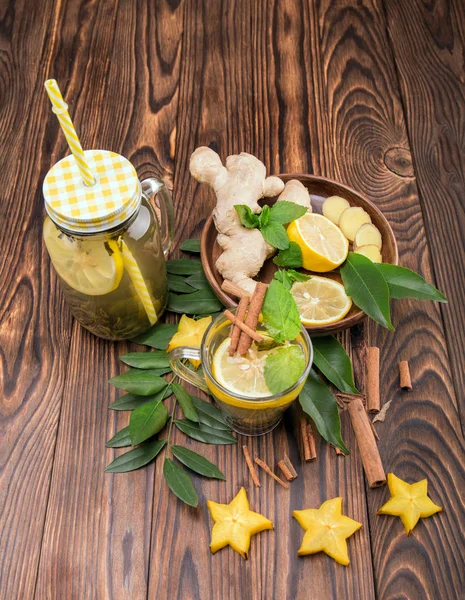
[247, 217]
[280, 313]
[284, 212]
[318, 402]
[332, 360]
[283, 368]
[275, 234]
[264, 216]
[291, 257]
[289, 277]
[365, 284]
[404, 283]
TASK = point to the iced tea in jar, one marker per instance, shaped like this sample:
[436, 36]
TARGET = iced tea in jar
[107, 242]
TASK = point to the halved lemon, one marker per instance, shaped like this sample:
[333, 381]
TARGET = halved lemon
[324, 247]
[243, 375]
[86, 265]
[320, 301]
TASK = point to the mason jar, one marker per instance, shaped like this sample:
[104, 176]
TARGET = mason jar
[108, 243]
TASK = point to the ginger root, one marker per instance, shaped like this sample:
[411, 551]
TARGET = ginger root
[295, 191]
[242, 181]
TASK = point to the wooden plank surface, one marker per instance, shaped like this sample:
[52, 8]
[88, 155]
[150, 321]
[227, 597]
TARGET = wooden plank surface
[428, 44]
[323, 87]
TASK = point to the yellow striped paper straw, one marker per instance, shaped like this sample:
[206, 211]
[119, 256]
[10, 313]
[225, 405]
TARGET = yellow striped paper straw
[141, 287]
[60, 108]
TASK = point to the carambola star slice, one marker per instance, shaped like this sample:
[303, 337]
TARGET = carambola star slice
[409, 502]
[235, 523]
[326, 530]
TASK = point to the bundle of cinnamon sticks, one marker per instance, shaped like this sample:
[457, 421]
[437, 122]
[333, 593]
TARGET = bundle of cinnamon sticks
[244, 324]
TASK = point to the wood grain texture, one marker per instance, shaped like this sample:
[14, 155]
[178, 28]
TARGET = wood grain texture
[97, 533]
[250, 104]
[365, 125]
[428, 44]
[34, 323]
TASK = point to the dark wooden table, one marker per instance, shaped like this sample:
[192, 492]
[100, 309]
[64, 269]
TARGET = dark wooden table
[368, 92]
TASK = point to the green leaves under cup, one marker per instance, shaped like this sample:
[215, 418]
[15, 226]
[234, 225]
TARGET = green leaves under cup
[332, 360]
[157, 359]
[134, 459]
[139, 382]
[146, 421]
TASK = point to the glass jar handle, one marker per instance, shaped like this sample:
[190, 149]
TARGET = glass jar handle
[158, 194]
[176, 357]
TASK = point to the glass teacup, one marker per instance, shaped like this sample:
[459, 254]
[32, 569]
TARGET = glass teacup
[246, 415]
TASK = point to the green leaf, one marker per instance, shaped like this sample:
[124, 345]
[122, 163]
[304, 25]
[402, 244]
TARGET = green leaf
[140, 383]
[332, 360]
[209, 414]
[191, 245]
[264, 216]
[200, 302]
[204, 433]
[367, 287]
[146, 421]
[196, 462]
[183, 266]
[131, 401]
[288, 277]
[404, 283]
[185, 401]
[284, 212]
[159, 336]
[180, 483]
[291, 257]
[134, 459]
[280, 313]
[120, 439]
[283, 368]
[247, 217]
[318, 402]
[275, 235]
[146, 360]
[178, 283]
[198, 281]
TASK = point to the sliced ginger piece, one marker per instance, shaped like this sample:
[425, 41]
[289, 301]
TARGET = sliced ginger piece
[333, 207]
[371, 252]
[368, 235]
[351, 220]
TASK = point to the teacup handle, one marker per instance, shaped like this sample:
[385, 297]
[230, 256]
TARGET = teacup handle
[158, 194]
[176, 357]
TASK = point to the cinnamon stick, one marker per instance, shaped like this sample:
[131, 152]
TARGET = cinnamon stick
[339, 452]
[235, 332]
[290, 466]
[366, 442]
[256, 302]
[373, 402]
[251, 466]
[404, 372]
[305, 441]
[285, 471]
[231, 288]
[311, 441]
[242, 326]
[267, 470]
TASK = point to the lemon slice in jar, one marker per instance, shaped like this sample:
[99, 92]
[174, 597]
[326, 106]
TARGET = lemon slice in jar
[320, 301]
[243, 375]
[91, 267]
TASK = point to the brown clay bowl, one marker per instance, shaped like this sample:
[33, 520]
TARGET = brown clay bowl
[319, 188]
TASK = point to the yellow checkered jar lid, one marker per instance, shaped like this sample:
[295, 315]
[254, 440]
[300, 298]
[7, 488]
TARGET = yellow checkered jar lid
[84, 209]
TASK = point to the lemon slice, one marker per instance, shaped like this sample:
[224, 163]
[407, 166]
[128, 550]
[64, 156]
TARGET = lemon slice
[324, 247]
[243, 375]
[87, 266]
[320, 301]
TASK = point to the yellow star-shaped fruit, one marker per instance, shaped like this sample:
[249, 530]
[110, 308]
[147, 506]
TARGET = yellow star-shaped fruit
[235, 523]
[408, 501]
[326, 530]
[190, 333]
